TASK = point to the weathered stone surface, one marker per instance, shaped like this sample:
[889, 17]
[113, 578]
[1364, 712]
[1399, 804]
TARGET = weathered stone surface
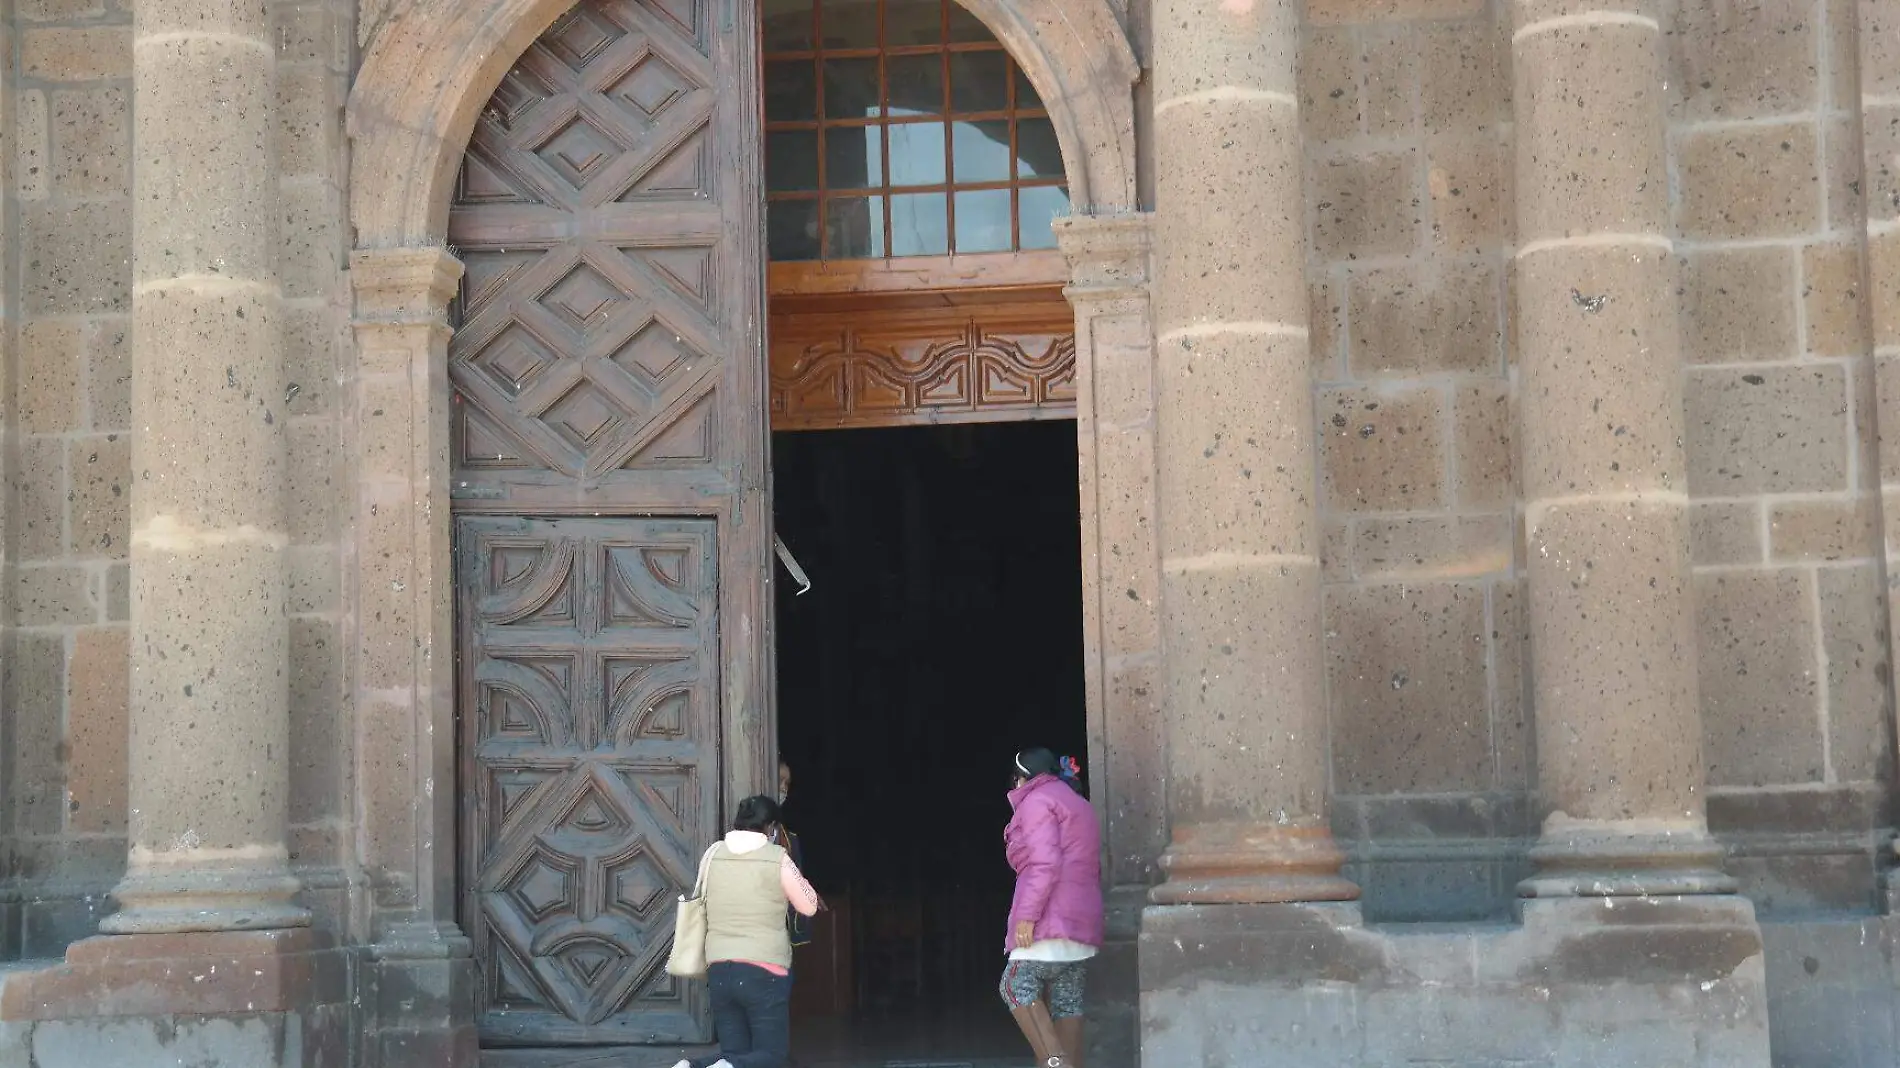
[1601, 80]
[100, 471]
[54, 595]
[1766, 430]
[1461, 76]
[1365, 205]
[1233, 466]
[84, 256]
[1823, 528]
[39, 499]
[76, 54]
[1441, 317]
[1329, 84]
[1758, 677]
[1470, 182]
[96, 729]
[92, 142]
[1424, 548]
[1314, 987]
[1831, 300]
[1726, 532]
[1745, 61]
[1409, 706]
[316, 780]
[1612, 626]
[1738, 304]
[1601, 410]
[1485, 444]
[1755, 181]
[1825, 981]
[1855, 644]
[1381, 449]
[49, 398]
[109, 374]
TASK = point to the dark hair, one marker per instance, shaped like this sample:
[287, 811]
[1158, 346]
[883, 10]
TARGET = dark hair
[756, 814]
[1039, 761]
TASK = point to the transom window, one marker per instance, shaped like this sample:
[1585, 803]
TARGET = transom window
[901, 128]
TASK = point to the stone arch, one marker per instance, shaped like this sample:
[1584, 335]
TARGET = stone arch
[431, 66]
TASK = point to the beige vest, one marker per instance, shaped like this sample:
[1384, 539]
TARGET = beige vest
[745, 907]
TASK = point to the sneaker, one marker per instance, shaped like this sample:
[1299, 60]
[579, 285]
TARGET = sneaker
[684, 1064]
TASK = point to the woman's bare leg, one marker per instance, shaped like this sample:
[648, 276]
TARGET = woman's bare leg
[1069, 1037]
[1040, 1030]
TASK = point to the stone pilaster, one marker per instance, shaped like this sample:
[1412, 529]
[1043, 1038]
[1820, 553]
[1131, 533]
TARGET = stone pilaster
[208, 760]
[1121, 591]
[1115, 426]
[1239, 542]
[421, 981]
[1605, 491]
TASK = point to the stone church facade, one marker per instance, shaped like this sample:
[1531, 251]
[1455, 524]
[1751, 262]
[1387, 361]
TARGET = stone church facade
[1479, 407]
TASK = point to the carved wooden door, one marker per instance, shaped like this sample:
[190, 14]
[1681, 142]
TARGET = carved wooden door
[589, 671]
[607, 364]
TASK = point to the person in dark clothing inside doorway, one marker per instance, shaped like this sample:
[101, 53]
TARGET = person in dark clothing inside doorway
[800, 925]
[750, 879]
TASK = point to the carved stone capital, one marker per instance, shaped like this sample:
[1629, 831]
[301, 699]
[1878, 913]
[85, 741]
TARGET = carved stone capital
[404, 286]
[1108, 254]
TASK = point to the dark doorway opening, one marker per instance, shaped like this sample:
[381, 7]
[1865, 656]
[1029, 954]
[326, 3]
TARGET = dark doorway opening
[943, 632]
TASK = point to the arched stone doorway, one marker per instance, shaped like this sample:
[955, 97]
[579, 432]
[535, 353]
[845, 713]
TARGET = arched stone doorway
[429, 69]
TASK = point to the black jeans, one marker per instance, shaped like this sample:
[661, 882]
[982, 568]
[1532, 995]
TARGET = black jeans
[752, 1013]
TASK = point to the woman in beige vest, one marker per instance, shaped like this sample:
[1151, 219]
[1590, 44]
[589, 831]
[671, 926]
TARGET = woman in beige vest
[749, 881]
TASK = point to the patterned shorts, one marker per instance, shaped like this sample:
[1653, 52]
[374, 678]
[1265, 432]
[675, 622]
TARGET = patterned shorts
[1057, 984]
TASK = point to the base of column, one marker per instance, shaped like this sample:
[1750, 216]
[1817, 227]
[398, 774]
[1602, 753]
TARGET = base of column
[1252, 865]
[1597, 981]
[1615, 860]
[179, 902]
[265, 999]
[420, 995]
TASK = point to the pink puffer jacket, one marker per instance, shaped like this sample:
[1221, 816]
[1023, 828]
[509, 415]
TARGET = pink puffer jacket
[1055, 845]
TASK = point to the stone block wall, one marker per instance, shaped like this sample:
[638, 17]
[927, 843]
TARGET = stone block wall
[1782, 433]
[69, 447]
[1407, 113]
[67, 467]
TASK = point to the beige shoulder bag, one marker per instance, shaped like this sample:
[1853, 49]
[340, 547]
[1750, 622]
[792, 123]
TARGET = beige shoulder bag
[688, 957]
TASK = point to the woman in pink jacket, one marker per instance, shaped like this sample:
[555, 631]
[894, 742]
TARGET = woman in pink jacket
[1055, 919]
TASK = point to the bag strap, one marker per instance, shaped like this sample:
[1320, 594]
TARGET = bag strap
[699, 885]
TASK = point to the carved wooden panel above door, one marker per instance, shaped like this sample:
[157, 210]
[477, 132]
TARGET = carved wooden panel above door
[904, 359]
[588, 681]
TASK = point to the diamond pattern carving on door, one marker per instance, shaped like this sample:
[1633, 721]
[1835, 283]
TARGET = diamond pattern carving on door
[593, 342]
[589, 680]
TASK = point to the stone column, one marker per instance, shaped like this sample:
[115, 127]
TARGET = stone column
[1242, 674]
[1604, 485]
[209, 663]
